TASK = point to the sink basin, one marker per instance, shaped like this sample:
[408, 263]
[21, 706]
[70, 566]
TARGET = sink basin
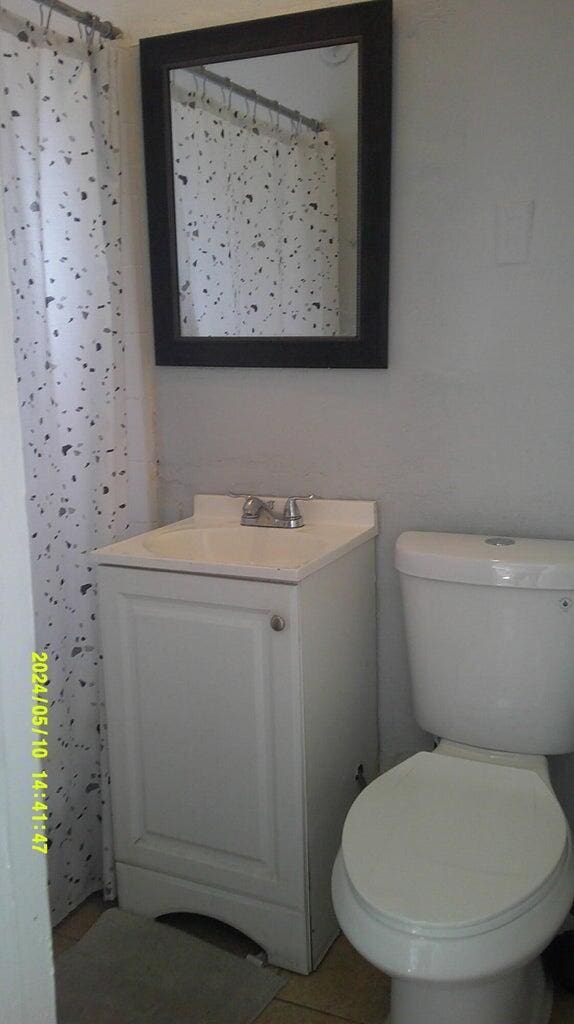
[213, 542]
[240, 544]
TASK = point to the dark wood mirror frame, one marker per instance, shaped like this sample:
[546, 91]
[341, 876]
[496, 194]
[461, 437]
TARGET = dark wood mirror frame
[370, 26]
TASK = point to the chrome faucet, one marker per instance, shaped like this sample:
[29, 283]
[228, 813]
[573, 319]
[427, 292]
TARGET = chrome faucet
[256, 512]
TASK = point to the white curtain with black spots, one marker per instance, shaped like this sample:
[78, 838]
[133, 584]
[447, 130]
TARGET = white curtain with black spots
[257, 223]
[59, 164]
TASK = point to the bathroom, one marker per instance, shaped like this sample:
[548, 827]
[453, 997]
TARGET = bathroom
[468, 430]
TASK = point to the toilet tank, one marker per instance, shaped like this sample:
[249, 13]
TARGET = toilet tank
[490, 634]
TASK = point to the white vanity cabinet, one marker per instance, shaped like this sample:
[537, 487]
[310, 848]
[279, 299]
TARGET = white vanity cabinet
[238, 712]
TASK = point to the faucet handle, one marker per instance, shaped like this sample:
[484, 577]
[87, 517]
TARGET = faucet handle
[292, 510]
[244, 494]
[252, 502]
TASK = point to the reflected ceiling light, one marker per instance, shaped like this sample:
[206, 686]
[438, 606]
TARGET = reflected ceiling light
[336, 54]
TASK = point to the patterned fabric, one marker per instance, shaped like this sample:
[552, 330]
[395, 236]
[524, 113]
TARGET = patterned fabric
[59, 160]
[256, 214]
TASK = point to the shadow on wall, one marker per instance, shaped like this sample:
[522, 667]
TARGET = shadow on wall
[562, 774]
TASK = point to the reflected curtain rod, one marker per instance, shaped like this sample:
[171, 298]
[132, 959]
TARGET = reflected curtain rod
[255, 97]
[91, 21]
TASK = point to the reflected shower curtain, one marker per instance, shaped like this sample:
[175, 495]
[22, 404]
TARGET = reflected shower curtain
[257, 228]
[59, 153]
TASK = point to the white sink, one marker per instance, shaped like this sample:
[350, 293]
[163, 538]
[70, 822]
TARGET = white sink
[213, 542]
[224, 544]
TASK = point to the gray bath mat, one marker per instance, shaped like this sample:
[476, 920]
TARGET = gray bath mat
[130, 969]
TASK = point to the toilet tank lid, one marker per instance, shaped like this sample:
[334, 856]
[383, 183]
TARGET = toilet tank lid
[487, 560]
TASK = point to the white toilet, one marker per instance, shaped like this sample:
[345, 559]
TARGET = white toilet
[456, 867]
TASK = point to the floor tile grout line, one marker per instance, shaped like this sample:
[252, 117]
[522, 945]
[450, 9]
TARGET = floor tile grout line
[324, 1013]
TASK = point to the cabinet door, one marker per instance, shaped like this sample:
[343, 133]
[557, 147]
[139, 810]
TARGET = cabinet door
[204, 719]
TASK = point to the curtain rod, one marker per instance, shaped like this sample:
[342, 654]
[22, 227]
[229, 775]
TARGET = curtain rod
[257, 99]
[91, 21]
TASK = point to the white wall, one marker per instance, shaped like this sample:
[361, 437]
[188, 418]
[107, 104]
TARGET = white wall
[26, 981]
[138, 18]
[472, 427]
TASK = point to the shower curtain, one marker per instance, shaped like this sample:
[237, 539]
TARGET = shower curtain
[256, 216]
[59, 164]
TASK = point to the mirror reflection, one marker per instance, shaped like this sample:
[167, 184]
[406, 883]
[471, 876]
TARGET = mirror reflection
[265, 160]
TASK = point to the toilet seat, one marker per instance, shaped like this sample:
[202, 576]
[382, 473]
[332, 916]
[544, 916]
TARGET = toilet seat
[444, 846]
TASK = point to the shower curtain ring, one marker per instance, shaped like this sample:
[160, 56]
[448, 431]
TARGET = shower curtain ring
[91, 29]
[49, 18]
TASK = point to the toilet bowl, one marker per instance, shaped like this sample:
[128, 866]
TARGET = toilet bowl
[456, 867]
[453, 875]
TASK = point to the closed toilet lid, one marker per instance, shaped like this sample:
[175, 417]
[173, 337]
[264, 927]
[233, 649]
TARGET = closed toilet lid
[442, 843]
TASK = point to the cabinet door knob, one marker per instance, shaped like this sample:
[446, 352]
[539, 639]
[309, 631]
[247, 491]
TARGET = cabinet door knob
[277, 623]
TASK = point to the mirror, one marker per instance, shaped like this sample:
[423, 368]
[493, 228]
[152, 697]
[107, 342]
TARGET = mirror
[258, 164]
[264, 155]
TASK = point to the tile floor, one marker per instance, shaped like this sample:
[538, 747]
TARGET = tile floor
[345, 989]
